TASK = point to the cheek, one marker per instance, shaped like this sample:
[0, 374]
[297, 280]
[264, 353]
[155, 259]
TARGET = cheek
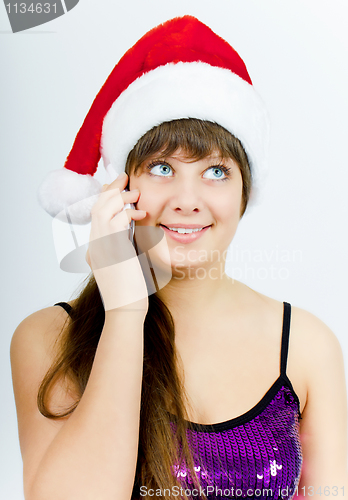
[144, 203]
[137, 183]
[235, 203]
[229, 208]
[149, 199]
[134, 182]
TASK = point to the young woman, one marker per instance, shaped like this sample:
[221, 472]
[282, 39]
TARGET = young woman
[205, 388]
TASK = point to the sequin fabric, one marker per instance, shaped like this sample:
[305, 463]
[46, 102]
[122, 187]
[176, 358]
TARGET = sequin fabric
[259, 458]
[257, 455]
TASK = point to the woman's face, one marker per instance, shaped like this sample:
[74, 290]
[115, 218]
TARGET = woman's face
[181, 195]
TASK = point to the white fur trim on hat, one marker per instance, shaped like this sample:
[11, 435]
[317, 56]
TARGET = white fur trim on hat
[63, 189]
[187, 90]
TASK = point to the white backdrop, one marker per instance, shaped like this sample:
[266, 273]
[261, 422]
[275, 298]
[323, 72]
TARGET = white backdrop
[292, 247]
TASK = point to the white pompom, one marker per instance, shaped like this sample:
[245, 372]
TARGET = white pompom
[63, 189]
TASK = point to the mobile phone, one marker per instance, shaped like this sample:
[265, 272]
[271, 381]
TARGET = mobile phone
[111, 175]
[131, 225]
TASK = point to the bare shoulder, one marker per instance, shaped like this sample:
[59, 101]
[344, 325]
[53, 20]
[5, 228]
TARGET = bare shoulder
[318, 341]
[34, 347]
[312, 343]
[310, 337]
[323, 427]
[317, 347]
[314, 354]
[33, 351]
[39, 331]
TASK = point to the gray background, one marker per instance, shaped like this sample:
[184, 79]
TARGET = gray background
[296, 54]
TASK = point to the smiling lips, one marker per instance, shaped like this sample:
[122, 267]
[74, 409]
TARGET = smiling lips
[184, 233]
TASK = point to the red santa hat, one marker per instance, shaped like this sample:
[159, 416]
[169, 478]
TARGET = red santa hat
[180, 69]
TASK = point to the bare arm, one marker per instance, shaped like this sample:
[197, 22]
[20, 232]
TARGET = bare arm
[324, 420]
[93, 453]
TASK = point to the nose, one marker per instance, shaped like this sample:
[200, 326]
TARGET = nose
[186, 197]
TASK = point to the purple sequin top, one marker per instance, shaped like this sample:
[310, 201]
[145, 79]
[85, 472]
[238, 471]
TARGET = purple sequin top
[256, 455]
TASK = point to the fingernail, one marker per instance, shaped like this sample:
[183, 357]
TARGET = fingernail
[123, 174]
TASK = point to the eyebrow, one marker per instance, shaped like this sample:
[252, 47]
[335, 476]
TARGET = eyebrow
[207, 158]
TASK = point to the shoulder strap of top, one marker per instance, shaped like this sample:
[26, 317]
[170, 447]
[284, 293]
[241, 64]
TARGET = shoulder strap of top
[285, 338]
[65, 306]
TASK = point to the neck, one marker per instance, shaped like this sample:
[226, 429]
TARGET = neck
[192, 294]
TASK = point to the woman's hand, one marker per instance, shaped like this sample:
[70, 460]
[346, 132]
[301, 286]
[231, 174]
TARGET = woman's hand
[111, 255]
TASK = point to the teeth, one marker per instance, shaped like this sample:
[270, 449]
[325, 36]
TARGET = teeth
[183, 230]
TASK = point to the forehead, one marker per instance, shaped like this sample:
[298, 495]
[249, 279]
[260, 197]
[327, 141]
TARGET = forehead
[185, 156]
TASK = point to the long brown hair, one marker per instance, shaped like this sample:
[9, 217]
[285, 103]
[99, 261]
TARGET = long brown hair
[162, 443]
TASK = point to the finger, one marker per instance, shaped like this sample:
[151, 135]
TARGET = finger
[127, 196]
[122, 220]
[108, 193]
[112, 202]
[113, 205]
[134, 214]
[130, 196]
[120, 182]
[104, 197]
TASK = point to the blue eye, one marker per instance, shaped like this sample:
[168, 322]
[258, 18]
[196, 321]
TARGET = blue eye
[216, 173]
[161, 169]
